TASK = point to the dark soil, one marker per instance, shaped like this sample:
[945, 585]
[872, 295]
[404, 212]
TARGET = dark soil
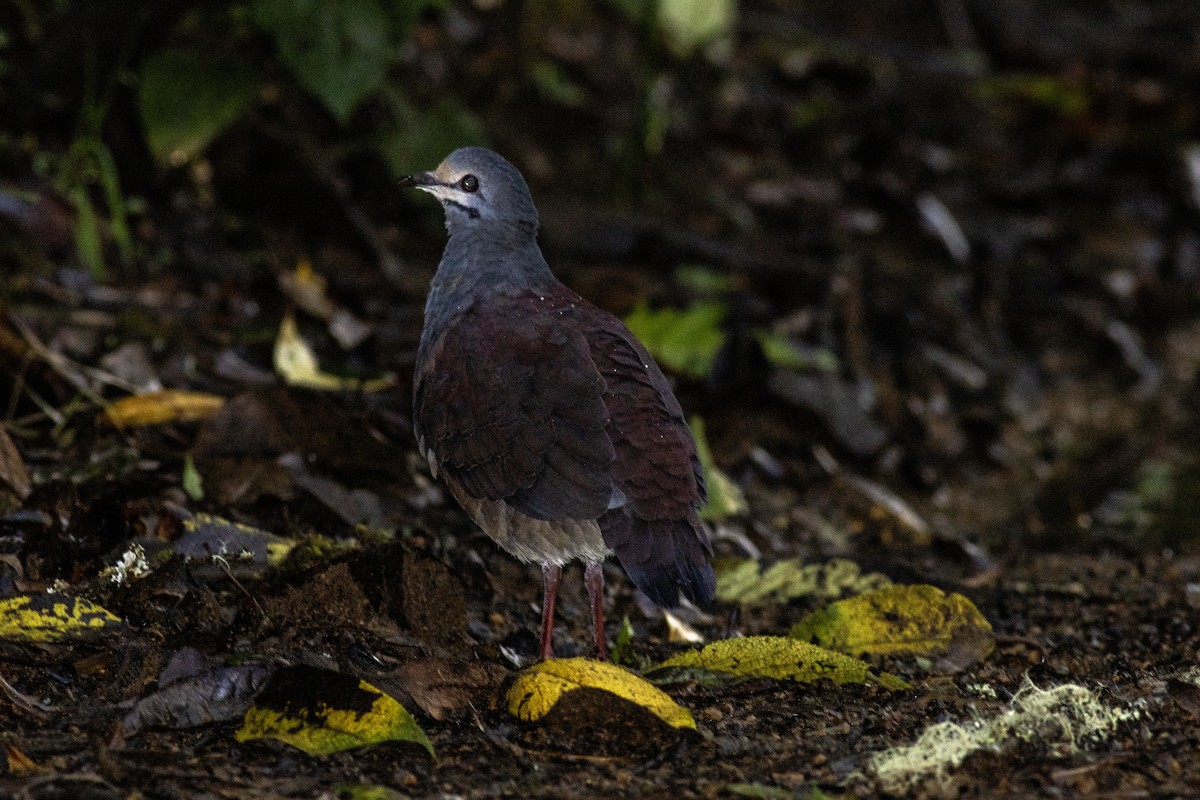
[983, 216]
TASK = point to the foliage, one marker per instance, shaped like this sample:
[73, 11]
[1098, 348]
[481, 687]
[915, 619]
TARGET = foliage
[689, 25]
[338, 51]
[538, 689]
[685, 341]
[323, 712]
[725, 498]
[417, 137]
[52, 617]
[745, 582]
[773, 657]
[89, 165]
[918, 619]
[187, 99]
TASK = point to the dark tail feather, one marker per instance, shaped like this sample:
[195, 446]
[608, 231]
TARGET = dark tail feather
[664, 558]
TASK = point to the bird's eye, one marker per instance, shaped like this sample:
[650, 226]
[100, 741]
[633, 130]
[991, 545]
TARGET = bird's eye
[469, 183]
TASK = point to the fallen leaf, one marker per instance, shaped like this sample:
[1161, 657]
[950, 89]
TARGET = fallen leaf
[746, 583]
[52, 617]
[209, 537]
[779, 658]
[216, 696]
[323, 712]
[916, 619]
[679, 632]
[366, 791]
[443, 687]
[353, 506]
[307, 288]
[12, 467]
[538, 689]
[160, 408]
[297, 365]
[20, 765]
[760, 791]
[192, 482]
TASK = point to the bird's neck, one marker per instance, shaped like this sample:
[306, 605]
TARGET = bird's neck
[481, 261]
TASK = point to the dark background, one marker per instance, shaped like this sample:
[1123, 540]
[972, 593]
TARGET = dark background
[927, 271]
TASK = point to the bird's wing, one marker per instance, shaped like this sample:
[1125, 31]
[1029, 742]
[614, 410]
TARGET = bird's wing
[657, 534]
[657, 467]
[509, 404]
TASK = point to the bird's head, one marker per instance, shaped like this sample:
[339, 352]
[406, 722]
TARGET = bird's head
[476, 187]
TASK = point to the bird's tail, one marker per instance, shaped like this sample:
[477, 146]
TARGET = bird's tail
[663, 557]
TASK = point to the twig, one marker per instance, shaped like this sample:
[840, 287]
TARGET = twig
[74, 373]
[24, 702]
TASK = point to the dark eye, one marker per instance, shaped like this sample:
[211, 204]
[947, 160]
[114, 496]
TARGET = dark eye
[469, 183]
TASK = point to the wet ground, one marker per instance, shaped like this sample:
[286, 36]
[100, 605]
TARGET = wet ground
[977, 238]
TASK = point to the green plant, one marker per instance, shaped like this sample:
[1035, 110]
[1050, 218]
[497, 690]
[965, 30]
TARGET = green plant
[87, 169]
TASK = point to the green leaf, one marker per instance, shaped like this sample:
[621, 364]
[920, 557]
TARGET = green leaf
[193, 484]
[555, 86]
[725, 498]
[340, 51]
[420, 137]
[704, 281]
[89, 242]
[1051, 92]
[683, 341]
[187, 98]
[783, 352]
[689, 25]
[622, 653]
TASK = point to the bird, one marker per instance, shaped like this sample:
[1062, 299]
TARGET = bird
[545, 417]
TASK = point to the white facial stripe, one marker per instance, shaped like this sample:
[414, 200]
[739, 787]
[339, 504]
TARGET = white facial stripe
[444, 192]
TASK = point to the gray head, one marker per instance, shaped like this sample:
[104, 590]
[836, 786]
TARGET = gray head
[477, 187]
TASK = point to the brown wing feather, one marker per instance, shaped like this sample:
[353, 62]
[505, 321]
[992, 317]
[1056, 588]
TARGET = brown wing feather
[657, 535]
[510, 404]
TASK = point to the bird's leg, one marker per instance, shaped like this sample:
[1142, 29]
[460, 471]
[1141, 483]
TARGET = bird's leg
[551, 575]
[593, 579]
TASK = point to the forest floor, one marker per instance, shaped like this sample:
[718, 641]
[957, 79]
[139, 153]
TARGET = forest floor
[986, 279]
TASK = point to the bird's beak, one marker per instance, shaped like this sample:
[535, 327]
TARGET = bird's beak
[420, 180]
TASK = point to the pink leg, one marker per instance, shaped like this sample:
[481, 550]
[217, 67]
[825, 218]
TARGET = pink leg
[551, 575]
[593, 578]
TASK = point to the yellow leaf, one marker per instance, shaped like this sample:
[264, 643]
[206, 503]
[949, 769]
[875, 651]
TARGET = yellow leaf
[206, 536]
[297, 364]
[52, 617]
[307, 288]
[743, 582]
[539, 688]
[322, 712]
[159, 408]
[779, 658]
[898, 619]
[366, 791]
